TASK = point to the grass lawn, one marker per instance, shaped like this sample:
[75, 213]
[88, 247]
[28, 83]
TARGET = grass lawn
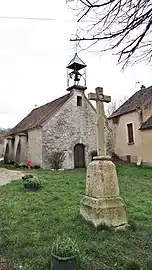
[30, 221]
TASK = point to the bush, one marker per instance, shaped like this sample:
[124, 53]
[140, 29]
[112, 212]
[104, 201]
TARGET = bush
[57, 159]
[32, 183]
[65, 247]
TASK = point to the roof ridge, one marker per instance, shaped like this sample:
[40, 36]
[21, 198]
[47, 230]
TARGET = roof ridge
[51, 101]
[60, 105]
[38, 116]
[138, 99]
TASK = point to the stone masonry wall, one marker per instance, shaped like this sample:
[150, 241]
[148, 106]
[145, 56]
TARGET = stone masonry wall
[35, 147]
[1, 149]
[111, 136]
[71, 125]
[24, 150]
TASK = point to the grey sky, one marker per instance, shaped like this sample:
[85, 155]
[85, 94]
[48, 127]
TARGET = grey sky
[34, 55]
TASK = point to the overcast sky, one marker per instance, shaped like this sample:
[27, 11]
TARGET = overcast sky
[34, 55]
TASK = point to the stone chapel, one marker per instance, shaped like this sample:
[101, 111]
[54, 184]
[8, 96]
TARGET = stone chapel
[66, 124]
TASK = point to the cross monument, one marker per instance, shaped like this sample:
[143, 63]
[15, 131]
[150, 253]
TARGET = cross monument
[102, 204]
[100, 98]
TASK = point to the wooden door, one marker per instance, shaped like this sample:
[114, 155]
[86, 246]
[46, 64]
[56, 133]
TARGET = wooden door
[79, 156]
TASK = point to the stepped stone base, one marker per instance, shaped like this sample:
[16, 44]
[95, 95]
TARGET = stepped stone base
[102, 204]
[109, 212]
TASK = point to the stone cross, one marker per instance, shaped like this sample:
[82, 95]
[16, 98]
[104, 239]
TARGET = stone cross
[100, 98]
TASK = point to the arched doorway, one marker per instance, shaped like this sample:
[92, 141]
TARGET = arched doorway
[79, 156]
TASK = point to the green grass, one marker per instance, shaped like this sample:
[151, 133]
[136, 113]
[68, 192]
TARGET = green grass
[30, 221]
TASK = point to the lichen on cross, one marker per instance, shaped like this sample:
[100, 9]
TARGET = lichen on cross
[100, 98]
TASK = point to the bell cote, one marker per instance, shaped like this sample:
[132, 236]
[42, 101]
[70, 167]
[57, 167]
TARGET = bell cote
[76, 74]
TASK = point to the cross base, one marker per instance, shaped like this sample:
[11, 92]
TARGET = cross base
[102, 204]
[109, 212]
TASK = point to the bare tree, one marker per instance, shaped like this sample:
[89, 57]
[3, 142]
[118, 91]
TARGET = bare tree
[123, 26]
[114, 105]
[111, 107]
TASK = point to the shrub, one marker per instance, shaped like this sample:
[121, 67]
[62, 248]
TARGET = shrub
[32, 183]
[35, 182]
[65, 247]
[56, 159]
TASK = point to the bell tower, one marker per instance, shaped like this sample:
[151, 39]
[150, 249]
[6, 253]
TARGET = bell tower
[76, 74]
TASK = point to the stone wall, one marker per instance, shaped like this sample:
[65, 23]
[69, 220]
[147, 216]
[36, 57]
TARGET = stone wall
[35, 146]
[24, 149]
[109, 142]
[15, 146]
[1, 149]
[112, 135]
[70, 126]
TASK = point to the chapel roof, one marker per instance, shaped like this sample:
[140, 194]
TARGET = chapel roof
[37, 117]
[136, 101]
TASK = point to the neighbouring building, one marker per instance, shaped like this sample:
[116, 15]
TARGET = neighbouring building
[66, 124]
[132, 128]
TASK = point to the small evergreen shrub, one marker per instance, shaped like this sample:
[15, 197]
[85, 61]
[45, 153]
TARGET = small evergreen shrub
[65, 247]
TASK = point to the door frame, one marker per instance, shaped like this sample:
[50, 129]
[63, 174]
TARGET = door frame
[83, 147]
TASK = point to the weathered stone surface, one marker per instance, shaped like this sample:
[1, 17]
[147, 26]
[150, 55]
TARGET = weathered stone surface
[24, 149]
[35, 146]
[100, 98]
[104, 211]
[71, 125]
[102, 204]
[101, 179]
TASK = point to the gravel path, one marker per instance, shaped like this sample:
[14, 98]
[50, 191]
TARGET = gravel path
[6, 176]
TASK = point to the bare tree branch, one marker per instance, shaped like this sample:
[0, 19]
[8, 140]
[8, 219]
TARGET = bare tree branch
[114, 105]
[125, 26]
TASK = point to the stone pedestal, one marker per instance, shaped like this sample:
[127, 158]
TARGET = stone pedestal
[102, 204]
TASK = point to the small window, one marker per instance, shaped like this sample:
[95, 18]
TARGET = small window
[130, 133]
[79, 101]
